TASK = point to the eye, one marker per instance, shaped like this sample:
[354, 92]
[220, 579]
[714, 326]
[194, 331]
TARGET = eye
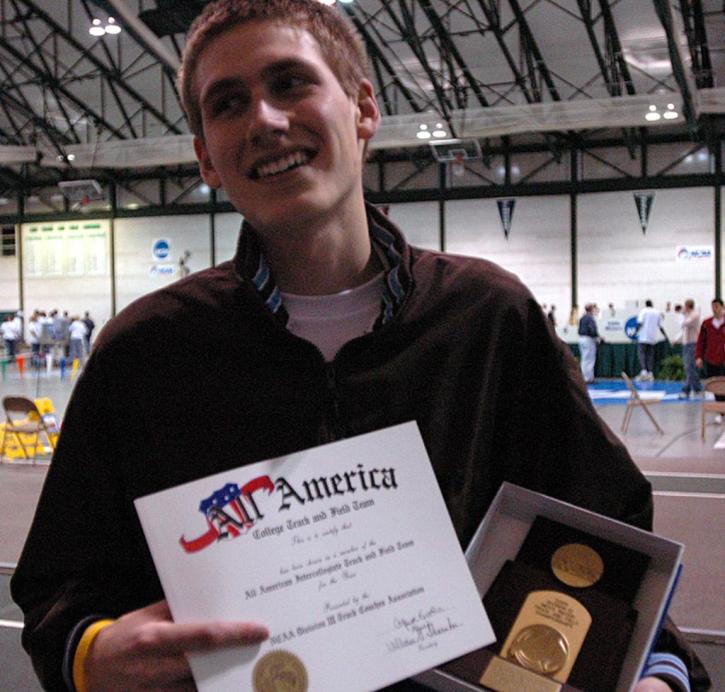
[289, 83]
[227, 103]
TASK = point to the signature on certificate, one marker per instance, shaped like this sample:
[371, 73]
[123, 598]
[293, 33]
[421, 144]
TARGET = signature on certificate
[420, 629]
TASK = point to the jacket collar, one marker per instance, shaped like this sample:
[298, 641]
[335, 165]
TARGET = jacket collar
[387, 240]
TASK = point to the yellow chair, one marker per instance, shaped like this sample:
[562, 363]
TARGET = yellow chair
[716, 385]
[634, 401]
[23, 419]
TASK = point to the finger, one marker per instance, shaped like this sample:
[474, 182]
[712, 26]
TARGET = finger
[170, 638]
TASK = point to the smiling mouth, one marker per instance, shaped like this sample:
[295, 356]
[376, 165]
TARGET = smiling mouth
[283, 164]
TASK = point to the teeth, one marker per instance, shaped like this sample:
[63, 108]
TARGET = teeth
[282, 164]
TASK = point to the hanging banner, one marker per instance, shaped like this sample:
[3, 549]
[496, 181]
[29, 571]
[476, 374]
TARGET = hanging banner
[506, 212]
[644, 201]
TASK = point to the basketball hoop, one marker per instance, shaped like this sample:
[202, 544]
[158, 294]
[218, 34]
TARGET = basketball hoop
[458, 168]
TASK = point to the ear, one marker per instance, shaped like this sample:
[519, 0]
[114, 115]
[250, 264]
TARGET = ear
[206, 168]
[368, 113]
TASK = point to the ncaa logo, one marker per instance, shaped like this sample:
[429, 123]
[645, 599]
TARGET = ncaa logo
[161, 249]
[630, 328]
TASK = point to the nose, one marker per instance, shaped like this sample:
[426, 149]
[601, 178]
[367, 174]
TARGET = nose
[267, 120]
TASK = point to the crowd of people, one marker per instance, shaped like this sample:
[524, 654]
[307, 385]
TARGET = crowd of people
[703, 342]
[55, 333]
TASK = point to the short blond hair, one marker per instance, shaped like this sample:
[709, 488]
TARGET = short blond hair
[341, 47]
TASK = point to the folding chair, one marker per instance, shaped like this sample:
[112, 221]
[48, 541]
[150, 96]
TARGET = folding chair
[23, 418]
[634, 401]
[716, 385]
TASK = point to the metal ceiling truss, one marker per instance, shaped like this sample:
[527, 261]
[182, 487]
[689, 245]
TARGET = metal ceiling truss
[430, 58]
[694, 24]
[59, 80]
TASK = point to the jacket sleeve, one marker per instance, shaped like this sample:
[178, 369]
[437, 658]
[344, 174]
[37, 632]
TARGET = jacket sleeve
[82, 548]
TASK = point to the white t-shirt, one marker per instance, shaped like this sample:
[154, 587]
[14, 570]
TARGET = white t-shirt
[650, 321]
[331, 321]
[8, 331]
[78, 330]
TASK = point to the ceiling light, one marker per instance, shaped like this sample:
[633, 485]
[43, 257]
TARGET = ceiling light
[96, 29]
[111, 26]
[440, 133]
[71, 157]
[423, 134]
[670, 113]
[327, 2]
[653, 115]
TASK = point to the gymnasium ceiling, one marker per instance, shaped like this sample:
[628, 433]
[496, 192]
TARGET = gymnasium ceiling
[501, 72]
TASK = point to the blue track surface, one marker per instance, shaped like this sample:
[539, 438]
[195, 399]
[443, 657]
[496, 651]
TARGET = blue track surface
[615, 393]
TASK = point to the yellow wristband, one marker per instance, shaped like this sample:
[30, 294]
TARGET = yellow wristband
[79, 659]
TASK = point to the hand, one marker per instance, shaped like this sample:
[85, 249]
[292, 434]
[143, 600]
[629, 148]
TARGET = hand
[145, 649]
[652, 685]
[698, 362]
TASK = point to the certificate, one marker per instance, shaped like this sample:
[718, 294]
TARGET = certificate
[345, 552]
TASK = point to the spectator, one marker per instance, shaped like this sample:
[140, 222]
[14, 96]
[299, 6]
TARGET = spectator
[10, 337]
[34, 338]
[689, 334]
[90, 326]
[588, 340]
[710, 348]
[77, 332]
[649, 325]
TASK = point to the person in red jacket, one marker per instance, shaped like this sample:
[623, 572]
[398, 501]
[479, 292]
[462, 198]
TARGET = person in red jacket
[710, 349]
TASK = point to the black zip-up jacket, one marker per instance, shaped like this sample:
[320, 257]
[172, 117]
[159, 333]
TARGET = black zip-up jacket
[200, 377]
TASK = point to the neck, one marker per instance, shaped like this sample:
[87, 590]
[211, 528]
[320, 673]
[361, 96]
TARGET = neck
[325, 257]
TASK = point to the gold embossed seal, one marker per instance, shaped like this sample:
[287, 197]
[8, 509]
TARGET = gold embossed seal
[540, 648]
[279, 671]
[577, 565]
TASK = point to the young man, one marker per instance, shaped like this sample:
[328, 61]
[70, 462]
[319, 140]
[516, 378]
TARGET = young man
[649, 327]
[710, 347]
[690, 332]
[281, 110]
[588, 341]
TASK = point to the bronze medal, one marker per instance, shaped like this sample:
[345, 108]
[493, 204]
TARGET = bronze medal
[279, 671]
[540, 648]
[577, 565]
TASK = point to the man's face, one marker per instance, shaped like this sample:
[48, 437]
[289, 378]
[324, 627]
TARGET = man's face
[717, 310]
[280, 134]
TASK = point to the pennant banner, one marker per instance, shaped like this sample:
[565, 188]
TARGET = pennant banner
[644, 201]
[506, 212]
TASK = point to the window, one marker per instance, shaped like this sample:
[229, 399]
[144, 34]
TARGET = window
[7, 241]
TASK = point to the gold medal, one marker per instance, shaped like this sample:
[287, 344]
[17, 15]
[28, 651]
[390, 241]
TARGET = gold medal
[540, 648]
[279, 671]
[577, 565]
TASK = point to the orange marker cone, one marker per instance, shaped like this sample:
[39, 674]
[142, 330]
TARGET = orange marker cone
[20, 359]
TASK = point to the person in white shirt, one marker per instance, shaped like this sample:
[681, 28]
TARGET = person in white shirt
[10, 337]
[690, 330]
[77, 332]
[649, 326]
[34, 338]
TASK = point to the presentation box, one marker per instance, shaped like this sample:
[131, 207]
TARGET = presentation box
[504, 530]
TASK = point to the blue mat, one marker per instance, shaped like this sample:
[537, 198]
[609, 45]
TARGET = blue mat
[615, 392]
